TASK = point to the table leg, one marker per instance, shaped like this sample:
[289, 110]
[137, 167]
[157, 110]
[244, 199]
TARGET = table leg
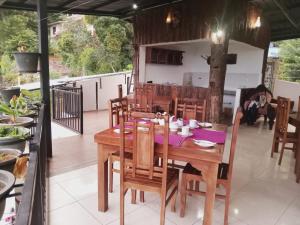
[298, 157]
[102, 179]
[211, 182]
[209, 173]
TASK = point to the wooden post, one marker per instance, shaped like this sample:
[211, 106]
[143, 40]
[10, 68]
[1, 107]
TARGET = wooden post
[120, 91]
[44, 69]
[264, 66]
[217, 80]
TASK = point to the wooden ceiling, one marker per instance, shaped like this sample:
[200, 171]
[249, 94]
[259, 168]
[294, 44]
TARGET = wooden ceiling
[283, 15]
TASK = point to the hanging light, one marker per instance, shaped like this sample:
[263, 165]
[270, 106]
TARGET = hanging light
[217, 37]
[134, 6]
[258, 22]
[169, 18]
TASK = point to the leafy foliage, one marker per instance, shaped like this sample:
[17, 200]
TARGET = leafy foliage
[290, 60]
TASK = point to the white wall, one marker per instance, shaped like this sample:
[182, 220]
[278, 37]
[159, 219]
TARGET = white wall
[246, 73]
[287, 89]
[107, 89]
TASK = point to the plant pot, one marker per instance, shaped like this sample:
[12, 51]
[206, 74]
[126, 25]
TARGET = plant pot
[8, 93]
[9, 163]
[7, 181]
[27, 62]
[15, 142]
[20, 121]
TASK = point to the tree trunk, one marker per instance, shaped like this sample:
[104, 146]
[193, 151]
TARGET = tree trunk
[217, 80]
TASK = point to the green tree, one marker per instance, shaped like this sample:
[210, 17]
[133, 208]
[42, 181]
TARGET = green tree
[290, 60]
[115, 37]
[17, 28]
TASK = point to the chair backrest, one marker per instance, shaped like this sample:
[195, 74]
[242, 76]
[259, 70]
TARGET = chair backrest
[234, 135]
[143, 98]
[282, 116]
[115, 107]
[299, 104]
[143, 155]
[189, 109]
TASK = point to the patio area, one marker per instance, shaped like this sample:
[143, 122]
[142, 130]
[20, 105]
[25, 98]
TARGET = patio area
[263, 193]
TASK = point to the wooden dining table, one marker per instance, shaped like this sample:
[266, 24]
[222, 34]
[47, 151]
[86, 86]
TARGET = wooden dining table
[204, 159]
[294, 119]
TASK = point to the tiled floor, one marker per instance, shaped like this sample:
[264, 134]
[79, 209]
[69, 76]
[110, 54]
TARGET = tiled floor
[262, 192]
[71, 150]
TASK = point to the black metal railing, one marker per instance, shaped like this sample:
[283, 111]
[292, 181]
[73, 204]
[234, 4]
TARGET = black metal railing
[67, 107]
[32, 208]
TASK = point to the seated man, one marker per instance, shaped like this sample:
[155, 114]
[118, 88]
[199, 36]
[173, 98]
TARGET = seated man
[257, 103]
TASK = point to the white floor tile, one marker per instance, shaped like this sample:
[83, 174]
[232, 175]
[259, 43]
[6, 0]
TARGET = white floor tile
[72, 214]
[260, 203]
[113, 213]
[291, 215]
[142, 216]
[59, 197]
[81, 187]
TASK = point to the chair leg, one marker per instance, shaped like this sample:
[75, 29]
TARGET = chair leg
[133, 196]
[273, 146]
[227, 201]
[191, 186]
[163, 209]
[281, 152]
[197, 185]
[111, 174]
[173, 201]
[122, 199]
[142, 196]
[183, 195]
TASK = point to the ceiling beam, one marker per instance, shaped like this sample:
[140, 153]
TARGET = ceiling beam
[108, 2]
[2, 2]
[27, 7]
[285, 12]
[125, 12]
[68, 2]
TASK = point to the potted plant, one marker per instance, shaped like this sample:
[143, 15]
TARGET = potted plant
[8, 93]
[27, 62]
[8, 158]
[15, 113]
[13, 137]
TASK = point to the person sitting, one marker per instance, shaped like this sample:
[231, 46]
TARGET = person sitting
[257, 103]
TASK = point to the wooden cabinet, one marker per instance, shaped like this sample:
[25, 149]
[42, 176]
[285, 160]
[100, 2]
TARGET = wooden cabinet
[163, 56]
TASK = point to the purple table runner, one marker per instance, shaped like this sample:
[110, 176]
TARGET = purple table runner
[210, 135]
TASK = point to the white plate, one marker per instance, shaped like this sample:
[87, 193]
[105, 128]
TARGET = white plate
[118, 131]
[190, 134]
[205, 124]
[194, 127]
[204, 143]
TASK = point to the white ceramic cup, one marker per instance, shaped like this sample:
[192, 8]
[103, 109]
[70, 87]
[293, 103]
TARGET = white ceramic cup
[161, 122]
[185, 130]
[180, 122]
[193, 123]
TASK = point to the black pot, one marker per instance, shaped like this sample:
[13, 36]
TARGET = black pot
[8, 93]
[27, 62]
[9, 164]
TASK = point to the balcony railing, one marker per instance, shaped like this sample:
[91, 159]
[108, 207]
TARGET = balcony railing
[32, 208]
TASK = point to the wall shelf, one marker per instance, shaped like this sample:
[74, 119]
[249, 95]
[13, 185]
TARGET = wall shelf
[164, 56]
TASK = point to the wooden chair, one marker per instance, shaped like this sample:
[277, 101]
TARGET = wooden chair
[281, 133]
[115, 107]
[143, 98]
[189, 109]
[142, 173]
[190, 174]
